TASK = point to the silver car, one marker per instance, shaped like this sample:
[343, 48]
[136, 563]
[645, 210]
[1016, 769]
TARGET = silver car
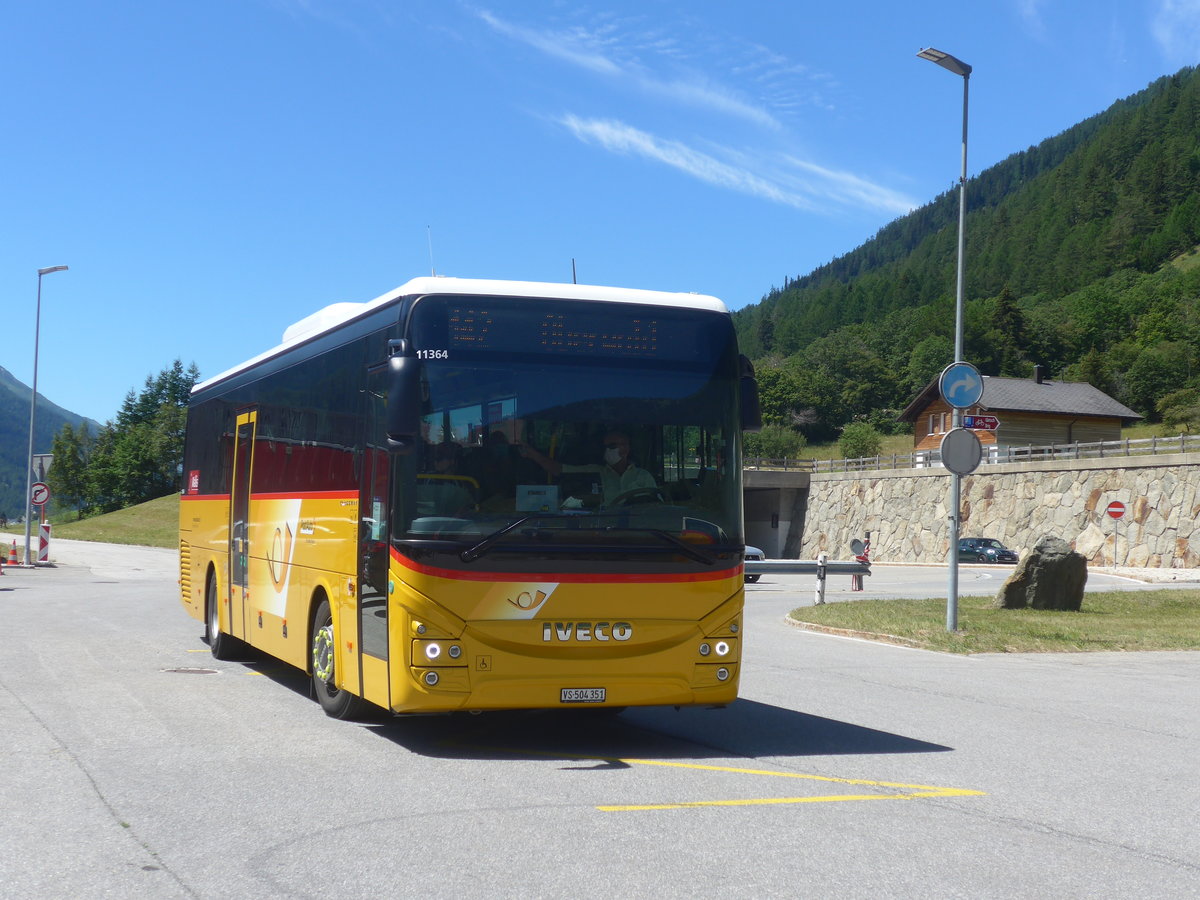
[753, 553]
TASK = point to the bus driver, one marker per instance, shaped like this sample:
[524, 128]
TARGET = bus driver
[618, 475]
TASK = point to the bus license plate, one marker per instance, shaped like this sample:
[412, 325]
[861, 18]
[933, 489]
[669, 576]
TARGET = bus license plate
[582, 695]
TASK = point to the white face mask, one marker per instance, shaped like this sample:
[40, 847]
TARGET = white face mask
[612, 455]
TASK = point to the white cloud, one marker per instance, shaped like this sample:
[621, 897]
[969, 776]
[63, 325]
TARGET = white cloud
[562, 46]
[1031, 14]
[795, 183]
[1176, 27]
[605, 52]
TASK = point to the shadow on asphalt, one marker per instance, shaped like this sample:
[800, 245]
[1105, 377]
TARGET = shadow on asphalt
[745, 728]
[605, 735]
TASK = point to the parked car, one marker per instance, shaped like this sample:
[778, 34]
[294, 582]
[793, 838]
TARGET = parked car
[987, 550]
[753, 553]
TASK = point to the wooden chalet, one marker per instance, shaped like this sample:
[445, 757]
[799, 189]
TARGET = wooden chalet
[1035, 412]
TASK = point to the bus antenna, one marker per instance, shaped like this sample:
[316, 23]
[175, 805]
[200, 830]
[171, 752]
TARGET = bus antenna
[573, 279]
[429, 235]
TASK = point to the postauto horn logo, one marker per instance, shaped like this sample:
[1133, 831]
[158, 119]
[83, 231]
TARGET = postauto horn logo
[586, 631]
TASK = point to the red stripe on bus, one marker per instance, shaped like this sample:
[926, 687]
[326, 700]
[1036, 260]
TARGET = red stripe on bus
[568, 577]
[308, 495]
[304, 495]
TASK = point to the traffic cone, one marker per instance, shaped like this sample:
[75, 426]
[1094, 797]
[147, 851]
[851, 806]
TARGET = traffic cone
[12, 555]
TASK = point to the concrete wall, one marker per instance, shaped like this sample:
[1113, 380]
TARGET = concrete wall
[774, 511]
[906, 510]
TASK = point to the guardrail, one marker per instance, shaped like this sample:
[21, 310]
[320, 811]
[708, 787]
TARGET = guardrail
[805, 567]
[992, 455]
[821, 567]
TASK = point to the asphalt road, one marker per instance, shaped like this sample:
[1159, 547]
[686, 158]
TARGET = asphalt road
[135, 765]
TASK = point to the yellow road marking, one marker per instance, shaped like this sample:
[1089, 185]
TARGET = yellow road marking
[909, 791]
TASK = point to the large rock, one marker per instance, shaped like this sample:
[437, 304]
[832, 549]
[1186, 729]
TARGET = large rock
[1051, 577]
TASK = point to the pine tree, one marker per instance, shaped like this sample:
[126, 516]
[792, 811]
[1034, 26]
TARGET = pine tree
[68, 474]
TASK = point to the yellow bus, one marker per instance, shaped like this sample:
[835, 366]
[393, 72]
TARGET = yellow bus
[478, 495]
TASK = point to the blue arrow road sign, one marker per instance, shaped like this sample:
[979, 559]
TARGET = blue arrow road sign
[961, 385]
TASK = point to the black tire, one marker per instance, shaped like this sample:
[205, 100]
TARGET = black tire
[337, 703]
[222, 645]
[982, 557]
[752, 579]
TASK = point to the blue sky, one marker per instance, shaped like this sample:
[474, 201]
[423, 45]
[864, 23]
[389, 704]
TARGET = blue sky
[212, 172]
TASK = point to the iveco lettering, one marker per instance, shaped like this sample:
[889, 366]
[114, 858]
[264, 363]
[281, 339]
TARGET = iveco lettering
[586, 631]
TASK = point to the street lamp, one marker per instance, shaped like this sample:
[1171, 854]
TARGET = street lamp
[37, 327]
[958, 67]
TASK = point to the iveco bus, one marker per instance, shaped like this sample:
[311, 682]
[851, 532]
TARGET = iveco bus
[411, 499]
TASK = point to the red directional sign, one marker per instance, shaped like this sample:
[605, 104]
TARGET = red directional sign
[981, 423]
[1116, 509]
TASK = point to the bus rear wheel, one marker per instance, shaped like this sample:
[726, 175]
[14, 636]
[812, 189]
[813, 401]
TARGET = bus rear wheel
[337, 703]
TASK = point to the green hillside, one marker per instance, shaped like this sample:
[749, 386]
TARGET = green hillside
[1080, 257]
[152, 524]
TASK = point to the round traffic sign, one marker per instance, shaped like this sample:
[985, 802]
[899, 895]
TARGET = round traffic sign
[39, 494]
[1116, 509]
[961, 451]
[961, 385]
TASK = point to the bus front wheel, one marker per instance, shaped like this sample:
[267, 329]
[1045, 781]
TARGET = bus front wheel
[337, 703]
[222, 645]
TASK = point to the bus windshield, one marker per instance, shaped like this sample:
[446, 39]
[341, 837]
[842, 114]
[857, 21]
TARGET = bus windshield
[603, 432]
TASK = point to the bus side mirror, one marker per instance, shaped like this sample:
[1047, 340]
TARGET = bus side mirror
[403, 398]
[751, 411]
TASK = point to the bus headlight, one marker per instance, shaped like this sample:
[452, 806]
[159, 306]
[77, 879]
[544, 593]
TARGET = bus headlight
[431, 678]
[433, 651]
[705, 649]
[722, 674]
[454, 652]
[722, 648]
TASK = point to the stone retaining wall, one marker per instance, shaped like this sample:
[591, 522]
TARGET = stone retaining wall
[906, 511]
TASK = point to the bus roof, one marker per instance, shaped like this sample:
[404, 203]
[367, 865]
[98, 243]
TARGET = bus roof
[335, 315]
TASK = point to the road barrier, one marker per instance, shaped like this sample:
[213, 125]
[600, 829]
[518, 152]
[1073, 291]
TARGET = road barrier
[821, 567]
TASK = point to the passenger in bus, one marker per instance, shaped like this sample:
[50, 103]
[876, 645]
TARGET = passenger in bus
[445, 492]
[618, 473]
[499, 468]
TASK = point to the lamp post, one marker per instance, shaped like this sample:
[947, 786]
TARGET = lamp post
[37, 327]
[958, 67]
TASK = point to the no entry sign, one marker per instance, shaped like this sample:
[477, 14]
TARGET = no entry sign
[1116, 509]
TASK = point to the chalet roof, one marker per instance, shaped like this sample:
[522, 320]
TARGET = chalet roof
[1064, 398]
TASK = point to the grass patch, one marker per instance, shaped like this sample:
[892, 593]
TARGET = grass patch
[153, 524]
[1121, 620]
[892, 443]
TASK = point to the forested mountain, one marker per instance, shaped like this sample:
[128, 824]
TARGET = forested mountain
[1080, 256]
[14, 437]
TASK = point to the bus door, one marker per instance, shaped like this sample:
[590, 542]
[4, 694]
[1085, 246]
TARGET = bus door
[374, 545]
[239, 523]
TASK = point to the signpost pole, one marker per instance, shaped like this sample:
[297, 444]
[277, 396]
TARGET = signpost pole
[957, 67]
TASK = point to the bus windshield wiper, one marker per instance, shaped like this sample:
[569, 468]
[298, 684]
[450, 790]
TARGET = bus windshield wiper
[473, 553]
[484, 546]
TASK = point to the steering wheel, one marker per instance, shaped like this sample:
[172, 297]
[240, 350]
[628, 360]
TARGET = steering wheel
[638, 495]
